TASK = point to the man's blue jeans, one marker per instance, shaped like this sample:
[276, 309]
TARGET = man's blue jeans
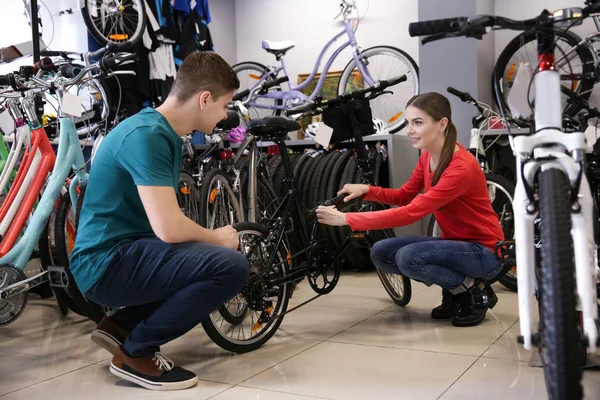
[167, 289]
[435, 261]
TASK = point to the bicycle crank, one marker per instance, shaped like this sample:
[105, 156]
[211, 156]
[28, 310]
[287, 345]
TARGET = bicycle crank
[324, 269]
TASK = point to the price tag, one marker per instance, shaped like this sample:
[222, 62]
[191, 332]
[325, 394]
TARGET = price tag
[72, 105]
[517, 98]
[7, 124]
[324, 134]
[591, 135]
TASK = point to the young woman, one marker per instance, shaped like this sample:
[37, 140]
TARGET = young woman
[455, 191]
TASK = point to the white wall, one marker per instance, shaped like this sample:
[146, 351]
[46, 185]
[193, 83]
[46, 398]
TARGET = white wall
[486, 58]
[223, 29]
[310, 24]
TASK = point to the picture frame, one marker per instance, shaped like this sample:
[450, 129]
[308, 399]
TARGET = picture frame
[329, 90]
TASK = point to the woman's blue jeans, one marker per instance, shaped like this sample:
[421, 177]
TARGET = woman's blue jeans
[435, 261]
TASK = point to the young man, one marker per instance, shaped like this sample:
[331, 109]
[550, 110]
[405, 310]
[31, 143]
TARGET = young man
[136, 249]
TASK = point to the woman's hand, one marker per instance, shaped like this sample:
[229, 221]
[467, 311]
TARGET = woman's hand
[331, 216]
[354, 191]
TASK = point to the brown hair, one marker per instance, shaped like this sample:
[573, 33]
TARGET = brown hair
[437, 107]
[204, 70]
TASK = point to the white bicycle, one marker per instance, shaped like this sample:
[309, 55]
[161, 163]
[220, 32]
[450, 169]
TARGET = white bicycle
[551, 184]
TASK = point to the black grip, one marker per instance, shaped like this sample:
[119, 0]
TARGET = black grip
[4, 80]
[70, 71]
[435, 26]
[393, 81]
[299, 109]
[112, 61]
[123, 47]
[232, 120]
[50, 53]
[47, 65]
[240, 95]
[463, 96]
[275, 82]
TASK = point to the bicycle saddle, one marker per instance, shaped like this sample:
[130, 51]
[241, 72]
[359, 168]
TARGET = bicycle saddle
[278, 48]
[272, 126]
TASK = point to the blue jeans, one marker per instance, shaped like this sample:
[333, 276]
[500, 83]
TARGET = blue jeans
[435, 261]
[167, 289]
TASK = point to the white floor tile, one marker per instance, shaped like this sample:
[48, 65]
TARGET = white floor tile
[244, 393]
[344, 371]
[416, 331]
[18, 371]
[97, 383]
[505, 379]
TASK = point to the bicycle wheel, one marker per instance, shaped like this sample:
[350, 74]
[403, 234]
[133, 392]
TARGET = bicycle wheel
[65, 232]
[249, 73]
[397, 286]
[219, 206]
[384, 62]
[113, 21]
[188, 197]
[576, 71]
[561, 345]
[264, 306]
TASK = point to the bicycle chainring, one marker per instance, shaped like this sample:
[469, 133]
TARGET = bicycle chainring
[11, 307]
[323, 272]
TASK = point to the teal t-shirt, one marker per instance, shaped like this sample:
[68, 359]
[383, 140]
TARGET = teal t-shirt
[143, 150]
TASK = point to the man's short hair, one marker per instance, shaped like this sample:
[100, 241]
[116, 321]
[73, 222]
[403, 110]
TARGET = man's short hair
[204, 70]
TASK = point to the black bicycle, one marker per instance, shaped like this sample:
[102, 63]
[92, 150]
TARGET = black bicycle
[251, 318]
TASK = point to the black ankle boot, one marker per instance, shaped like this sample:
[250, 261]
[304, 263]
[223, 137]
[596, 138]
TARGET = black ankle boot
[449, 307]
[474, 306]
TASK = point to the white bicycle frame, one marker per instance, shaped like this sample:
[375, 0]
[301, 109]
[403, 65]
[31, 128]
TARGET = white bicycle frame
[548, 116]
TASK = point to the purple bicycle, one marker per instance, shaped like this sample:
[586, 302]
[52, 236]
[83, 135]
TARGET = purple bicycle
[364, 69]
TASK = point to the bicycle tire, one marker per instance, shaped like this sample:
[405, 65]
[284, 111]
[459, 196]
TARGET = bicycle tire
[74, 299]
[321, 193]
[306, 175]
[412, 75]
[62, 298]
[101, 38]
[263, 69]
[561, 346]
[239, 346]
[333, 186]
[584, 53]
[206, 194]
[349, 256]
[362, 261]
[314, 180]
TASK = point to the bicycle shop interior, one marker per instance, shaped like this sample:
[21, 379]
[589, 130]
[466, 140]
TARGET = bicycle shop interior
[368, 335]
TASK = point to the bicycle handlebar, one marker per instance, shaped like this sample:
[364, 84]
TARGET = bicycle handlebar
[476, 26]
[378, 87]
[463, 96]
[263, 88]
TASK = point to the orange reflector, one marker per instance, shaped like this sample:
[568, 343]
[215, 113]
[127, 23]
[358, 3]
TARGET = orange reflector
[259, 324]
[511, 72]
[394, 117]
[119, 36]
[213, 195]
[289, 258]
[254, 76]
[574, 85]
[185, 190]
[357, 77]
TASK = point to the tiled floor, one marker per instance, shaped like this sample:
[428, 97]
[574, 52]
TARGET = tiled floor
[351, 344]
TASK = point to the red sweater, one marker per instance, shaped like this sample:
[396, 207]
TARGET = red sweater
[460, 202]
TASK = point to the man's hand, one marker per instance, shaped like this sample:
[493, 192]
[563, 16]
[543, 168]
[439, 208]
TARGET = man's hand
[331, 216]
[228, 237]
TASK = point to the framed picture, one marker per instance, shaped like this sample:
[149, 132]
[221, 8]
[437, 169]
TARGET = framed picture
[329, 90]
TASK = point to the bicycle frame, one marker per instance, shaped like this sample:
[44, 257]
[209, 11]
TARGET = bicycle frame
[542, 150]
[294, 93]
[69, 156]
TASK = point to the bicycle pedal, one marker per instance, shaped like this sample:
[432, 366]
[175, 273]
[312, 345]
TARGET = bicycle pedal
[361, 239]
[59, 277]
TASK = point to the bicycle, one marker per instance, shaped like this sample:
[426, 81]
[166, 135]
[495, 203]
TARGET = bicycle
[263, 301]
[44, 167]
[114, 21]
[359, 72]
[551, 184]
[576, 58]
